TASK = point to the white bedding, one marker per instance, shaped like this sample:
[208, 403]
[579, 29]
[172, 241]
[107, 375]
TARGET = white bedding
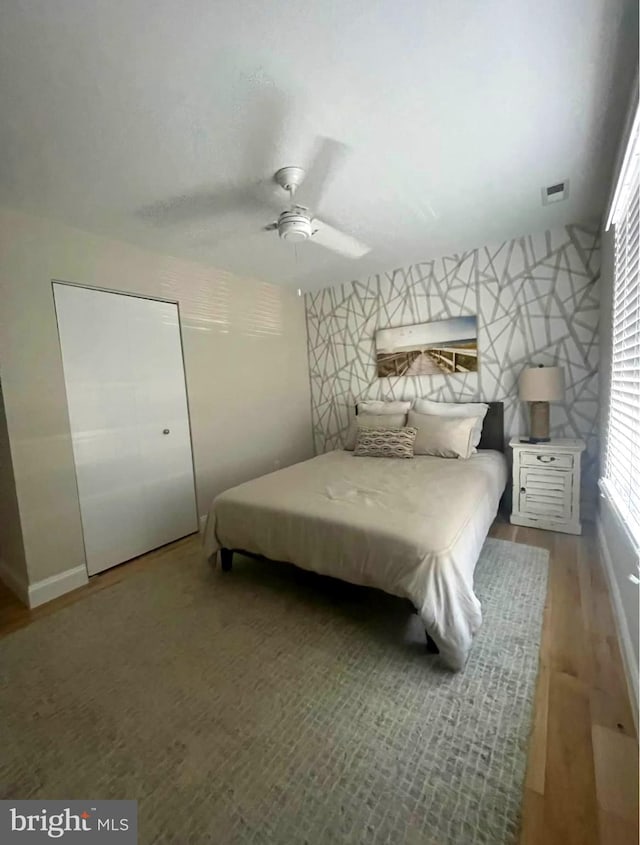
[413, 528]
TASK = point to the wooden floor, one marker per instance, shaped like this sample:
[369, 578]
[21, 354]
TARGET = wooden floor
[582, 779]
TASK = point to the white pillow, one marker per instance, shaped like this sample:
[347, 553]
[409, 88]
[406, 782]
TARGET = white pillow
[388, 421]
[379, 406]
[446, 437]
[478, 410]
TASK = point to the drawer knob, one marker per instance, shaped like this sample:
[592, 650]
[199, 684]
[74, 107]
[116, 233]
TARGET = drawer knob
[523, 489]
[546, 459]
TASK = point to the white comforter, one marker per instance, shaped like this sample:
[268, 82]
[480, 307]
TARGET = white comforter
[413, 528]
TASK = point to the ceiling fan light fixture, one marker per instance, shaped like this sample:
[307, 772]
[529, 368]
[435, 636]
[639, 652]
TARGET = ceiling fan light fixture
[294, 226]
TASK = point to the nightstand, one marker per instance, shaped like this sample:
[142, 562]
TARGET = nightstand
[546, 484]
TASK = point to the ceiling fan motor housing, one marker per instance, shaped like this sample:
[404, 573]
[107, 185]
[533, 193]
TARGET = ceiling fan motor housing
[294, 226]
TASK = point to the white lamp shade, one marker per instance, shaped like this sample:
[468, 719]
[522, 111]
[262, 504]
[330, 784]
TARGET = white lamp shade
[542, 384]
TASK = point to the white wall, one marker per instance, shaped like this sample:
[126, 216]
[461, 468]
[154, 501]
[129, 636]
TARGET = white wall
[619, 554]
[245, 358]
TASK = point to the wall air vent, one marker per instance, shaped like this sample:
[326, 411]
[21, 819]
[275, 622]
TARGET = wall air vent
[555, 193]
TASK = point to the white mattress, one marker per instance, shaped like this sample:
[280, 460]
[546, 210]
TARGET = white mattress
[413, 528]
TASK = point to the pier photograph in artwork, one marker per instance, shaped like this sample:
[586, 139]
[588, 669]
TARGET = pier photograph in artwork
[438, 348]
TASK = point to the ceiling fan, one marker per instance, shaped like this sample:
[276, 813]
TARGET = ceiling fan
[298, 223]
[295, 224]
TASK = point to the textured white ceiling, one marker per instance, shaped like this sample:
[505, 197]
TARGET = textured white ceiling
[456, 114]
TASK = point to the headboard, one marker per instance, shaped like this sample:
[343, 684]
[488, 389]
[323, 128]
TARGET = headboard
[492, 427]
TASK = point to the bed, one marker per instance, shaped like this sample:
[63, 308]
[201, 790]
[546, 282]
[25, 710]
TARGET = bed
[413, 528]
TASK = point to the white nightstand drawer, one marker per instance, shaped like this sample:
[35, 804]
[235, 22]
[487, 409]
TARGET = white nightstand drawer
[555, 460]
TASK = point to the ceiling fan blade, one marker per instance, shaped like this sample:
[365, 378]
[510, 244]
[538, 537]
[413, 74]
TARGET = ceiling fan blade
[338, 241]
[329, 155]
[203, 204]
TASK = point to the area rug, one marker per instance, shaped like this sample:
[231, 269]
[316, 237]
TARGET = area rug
[270, 705]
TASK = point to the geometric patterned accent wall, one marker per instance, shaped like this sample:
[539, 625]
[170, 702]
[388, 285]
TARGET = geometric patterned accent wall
[537, 302]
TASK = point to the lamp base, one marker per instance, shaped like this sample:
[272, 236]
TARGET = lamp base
[539, 422]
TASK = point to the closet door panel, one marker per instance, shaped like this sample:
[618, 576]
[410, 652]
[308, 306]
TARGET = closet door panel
[101, 392]
[115, 351]
[164, 422]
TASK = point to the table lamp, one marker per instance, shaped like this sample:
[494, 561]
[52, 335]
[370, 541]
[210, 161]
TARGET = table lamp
[538, 386]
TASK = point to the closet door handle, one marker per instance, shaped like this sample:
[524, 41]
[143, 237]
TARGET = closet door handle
[166, 431]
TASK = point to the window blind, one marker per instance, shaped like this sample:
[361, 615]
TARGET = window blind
[622, 456]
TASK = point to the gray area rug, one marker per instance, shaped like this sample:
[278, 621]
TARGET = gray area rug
[271, 705]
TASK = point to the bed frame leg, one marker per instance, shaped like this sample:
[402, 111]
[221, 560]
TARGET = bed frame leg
[226, 559]
[432, 648]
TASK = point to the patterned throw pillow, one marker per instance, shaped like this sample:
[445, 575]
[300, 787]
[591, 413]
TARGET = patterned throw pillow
[385, 443]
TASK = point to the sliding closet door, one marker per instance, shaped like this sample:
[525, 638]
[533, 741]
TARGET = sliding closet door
[163, 421]
[124, 377]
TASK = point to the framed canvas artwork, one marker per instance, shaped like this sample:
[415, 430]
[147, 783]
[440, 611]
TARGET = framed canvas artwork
[437, 348]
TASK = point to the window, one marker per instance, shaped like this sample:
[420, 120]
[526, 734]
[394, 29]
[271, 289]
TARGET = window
[621, 481]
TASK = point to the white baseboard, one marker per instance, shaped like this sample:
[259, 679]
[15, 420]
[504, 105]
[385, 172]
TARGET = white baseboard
[57, 585]
[624, 638]
[13, 581]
